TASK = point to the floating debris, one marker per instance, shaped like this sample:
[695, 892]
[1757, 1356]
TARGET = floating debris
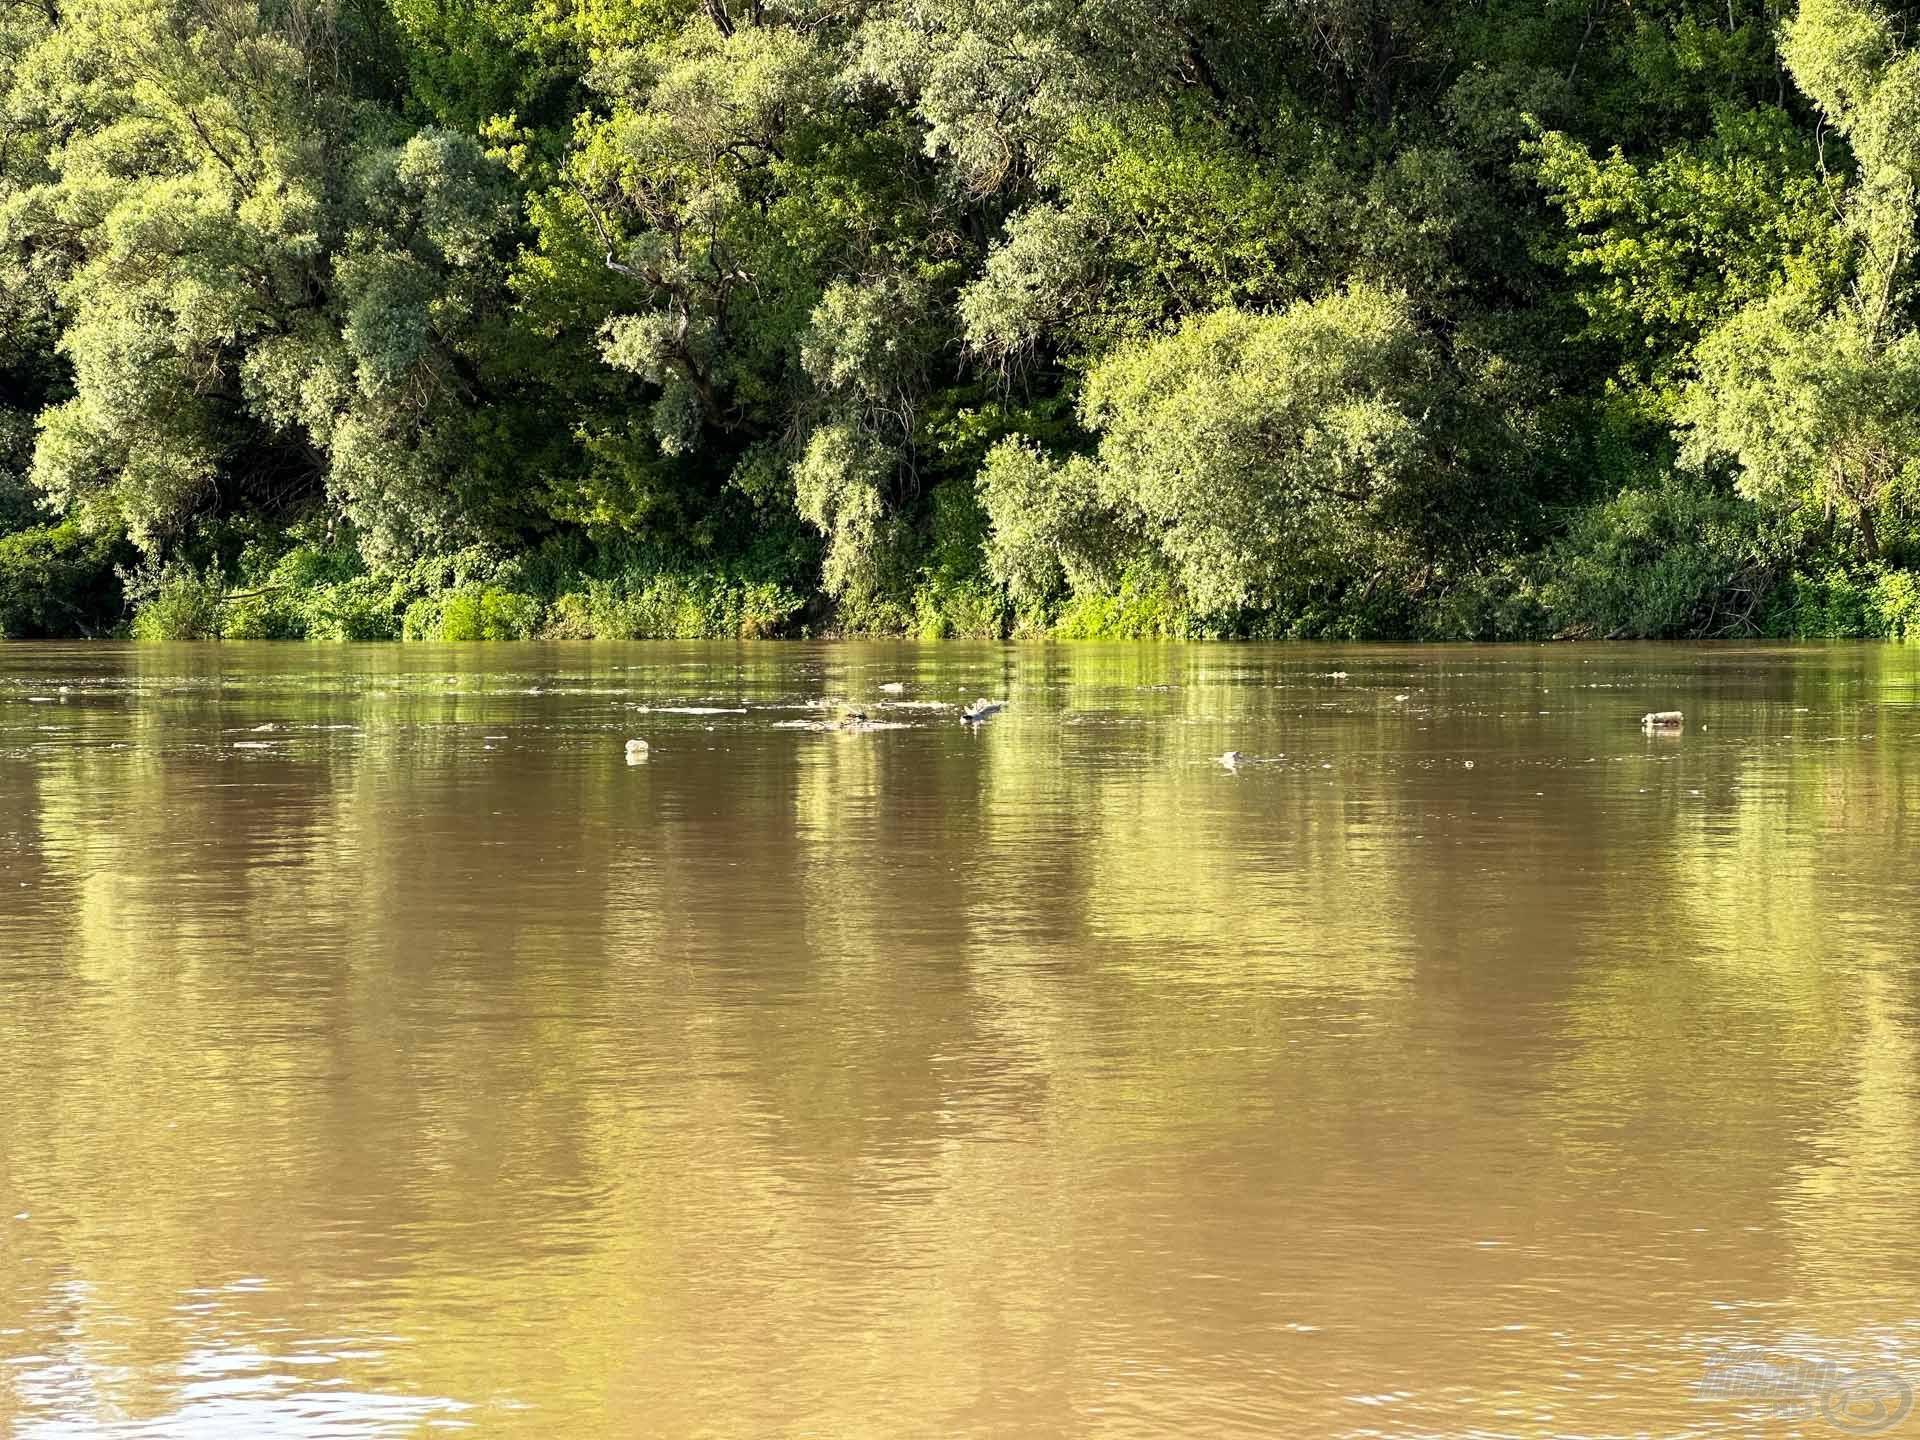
[841, 727]
[1231, 760]
[981, 709]
[634, 747]
[893, 687]
[1663, 720]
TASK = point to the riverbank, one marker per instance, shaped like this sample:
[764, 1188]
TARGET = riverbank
[60, 583]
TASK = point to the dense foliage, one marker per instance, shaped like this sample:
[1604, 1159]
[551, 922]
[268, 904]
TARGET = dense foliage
[468, 319]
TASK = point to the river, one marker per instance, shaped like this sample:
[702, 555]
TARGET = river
[384, 1052]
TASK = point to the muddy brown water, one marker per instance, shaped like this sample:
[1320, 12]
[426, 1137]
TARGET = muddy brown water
[382, 1053]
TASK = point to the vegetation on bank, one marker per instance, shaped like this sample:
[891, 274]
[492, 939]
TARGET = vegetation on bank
[493, 319]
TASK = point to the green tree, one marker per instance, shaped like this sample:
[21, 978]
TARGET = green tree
[1815, 395]
[1251, 455]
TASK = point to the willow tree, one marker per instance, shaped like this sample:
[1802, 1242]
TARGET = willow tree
[28, 326]
[268, 290]
[1251, 456]
[1814, 390]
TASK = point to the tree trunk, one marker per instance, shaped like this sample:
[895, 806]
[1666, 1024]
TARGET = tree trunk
[1381, 80]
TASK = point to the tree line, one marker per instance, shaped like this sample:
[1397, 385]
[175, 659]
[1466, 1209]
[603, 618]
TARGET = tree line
[1346, 318]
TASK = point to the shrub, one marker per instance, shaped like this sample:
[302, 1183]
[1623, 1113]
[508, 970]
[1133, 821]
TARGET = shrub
[1897, 597]
[1143, 607]
[485, 612]
[56, 580]
[356, 609]
[1841, 601]
[310, 593]
[255, 615]
[1498, 602]
[1678, 557]
[971, 609]
[671, 606]
[179, 604]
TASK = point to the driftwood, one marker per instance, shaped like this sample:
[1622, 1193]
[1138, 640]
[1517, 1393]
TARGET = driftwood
[230, 596]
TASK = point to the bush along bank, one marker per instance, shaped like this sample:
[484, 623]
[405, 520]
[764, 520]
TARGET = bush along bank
[1584, 588]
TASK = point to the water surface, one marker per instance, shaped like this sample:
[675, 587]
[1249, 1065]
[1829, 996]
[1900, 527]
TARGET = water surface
[382, 1053]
